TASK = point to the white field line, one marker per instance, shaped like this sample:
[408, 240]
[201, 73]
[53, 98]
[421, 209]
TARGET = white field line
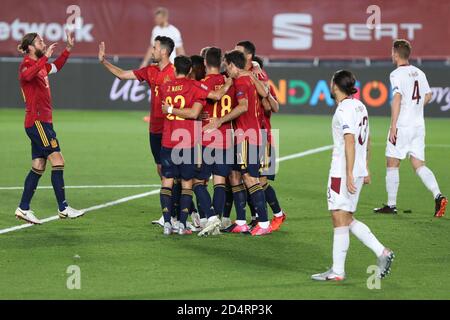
[92, 187]
[304, 153]
[97, 207]
[145, 194]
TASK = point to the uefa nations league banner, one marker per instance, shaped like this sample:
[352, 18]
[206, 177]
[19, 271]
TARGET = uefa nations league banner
[302, 90]
[280, 29]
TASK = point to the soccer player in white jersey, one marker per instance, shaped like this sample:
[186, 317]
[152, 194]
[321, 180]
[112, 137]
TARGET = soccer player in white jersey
[348, 173]
[406, 136]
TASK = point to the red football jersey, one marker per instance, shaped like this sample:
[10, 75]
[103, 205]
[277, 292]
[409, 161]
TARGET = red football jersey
[267, 115]
[182, 93]
[155, 78]
[33, 77]
[264, 78]
[221, 138]
[249, 122]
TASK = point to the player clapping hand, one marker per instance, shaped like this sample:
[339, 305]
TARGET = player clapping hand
[50, 49]
[70, 40]
[101, 51]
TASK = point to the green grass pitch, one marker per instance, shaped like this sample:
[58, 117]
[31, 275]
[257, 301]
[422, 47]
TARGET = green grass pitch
[123, 256]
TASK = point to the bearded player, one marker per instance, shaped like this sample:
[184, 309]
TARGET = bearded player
[33, 76]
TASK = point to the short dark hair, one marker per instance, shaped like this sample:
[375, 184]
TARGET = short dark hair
[183, 65]
[248, 46]
[259, 60]
[166, 43]
[345, 80]
[403, 48]
[27, 40]
[203, 51]
[198, 67]
[237, 58]
[213, 57]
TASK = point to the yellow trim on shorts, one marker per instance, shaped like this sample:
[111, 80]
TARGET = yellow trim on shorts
[42, 133]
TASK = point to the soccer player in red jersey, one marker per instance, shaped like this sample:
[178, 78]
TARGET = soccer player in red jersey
[248, 142]
[33, 77]
[155, 76]
[183, 100]
[269, 104]
[217, 148]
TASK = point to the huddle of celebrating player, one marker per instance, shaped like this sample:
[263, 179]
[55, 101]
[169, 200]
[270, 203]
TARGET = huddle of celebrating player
[206, 123]
[210, 117]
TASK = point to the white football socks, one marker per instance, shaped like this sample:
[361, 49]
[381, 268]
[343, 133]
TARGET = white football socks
[429, 180]
[363, 233]
[278, 215]
[264, 225]
[392, 182]
[341, 242]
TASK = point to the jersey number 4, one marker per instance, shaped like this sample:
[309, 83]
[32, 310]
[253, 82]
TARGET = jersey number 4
[416, 94]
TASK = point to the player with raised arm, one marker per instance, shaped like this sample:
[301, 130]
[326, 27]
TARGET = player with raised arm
[33, 77]
[248, 142]
[348, 173]
[406, 138]
[155, 75]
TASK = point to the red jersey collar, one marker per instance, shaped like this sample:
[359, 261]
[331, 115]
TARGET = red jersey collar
[167, 66]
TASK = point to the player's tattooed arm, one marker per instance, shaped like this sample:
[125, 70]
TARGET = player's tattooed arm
[349, 140]
[218, 94]
[185, 113]
[395, 111]
[270, 104]
[215, 123]
[368, 178]
[274, 103]
[118, 72]
[266, 105]
[261, 87]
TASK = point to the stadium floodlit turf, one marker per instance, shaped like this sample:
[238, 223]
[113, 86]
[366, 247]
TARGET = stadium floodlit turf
[122, 256]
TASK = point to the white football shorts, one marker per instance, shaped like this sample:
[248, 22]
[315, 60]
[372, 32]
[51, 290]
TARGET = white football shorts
[410, 142]
[338, 196]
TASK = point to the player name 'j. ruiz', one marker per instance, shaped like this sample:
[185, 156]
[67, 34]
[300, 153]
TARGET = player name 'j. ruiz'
[175, 88]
